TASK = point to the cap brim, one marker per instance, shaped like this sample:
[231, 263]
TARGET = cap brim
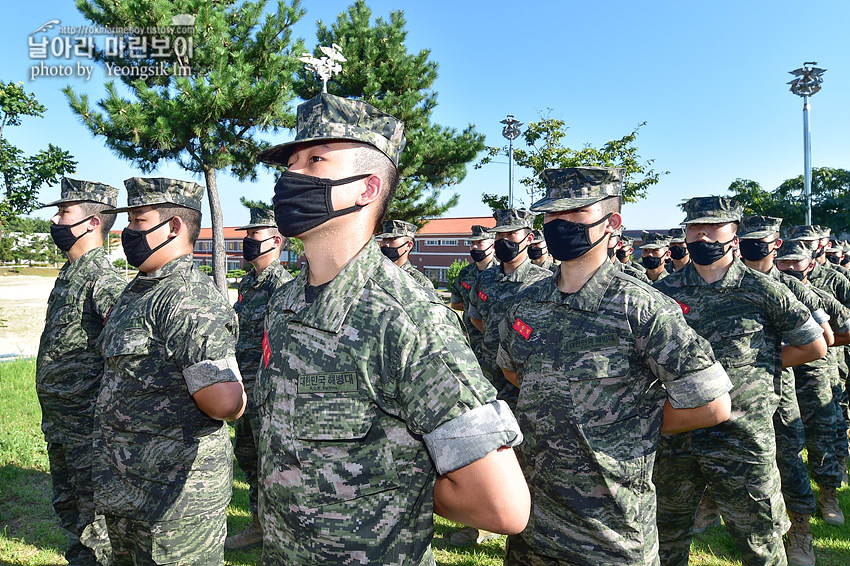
[793, 257]
[479, 238]
[250, 226]
[279, 154]
[510, 228]
[66, 200]
[757, 235]
[712, 220]
[564, 204]
[654, 246]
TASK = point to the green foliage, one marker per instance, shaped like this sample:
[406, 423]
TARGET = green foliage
[236, 273]
[545, 149]
[830, 199]
[380, 71]
[23, 176]
[121, 263]
[27, 225]
[495, 202]
[206, 269]
[207, 113]
[454, 269]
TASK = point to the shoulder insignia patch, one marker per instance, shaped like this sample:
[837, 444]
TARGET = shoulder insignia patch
[523, 329]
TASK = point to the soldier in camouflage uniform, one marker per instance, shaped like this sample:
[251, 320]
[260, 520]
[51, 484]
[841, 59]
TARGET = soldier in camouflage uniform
[615, 243]
[69, 367]
[679, 257]
[171, 379]
[654, 253]
[261, 247]
[483, 256]
[396, 244]
[598, 357]
[745, 316]
[759, 242]
[368, 390]
[539, 254]
[496, 287]
[834, 283]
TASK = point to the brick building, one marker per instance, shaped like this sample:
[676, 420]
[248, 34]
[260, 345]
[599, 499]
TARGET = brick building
[442, 241]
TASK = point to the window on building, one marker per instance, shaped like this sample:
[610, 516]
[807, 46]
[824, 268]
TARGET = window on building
[468, 243]
[432, 242]
[436, 274]
[233, 246]
[231, 265]
[415, 246]
[203, 246]
[448, 242]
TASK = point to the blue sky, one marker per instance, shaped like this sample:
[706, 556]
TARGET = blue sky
[707, 77]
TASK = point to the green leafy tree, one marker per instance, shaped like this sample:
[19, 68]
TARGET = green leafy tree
[454, 269]
[205, 269]
[379, 70]
[7, 248]
[830, 199]
[23, 175]
[495, 202]
[204, 114]
[545, 149]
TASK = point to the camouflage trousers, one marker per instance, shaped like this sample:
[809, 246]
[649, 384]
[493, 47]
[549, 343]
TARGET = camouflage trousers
[196, 540]
[839, 395]
[819, 412]
[744, 483]
[247, 431]
[790, 441]
[519, 553]
[73, 501]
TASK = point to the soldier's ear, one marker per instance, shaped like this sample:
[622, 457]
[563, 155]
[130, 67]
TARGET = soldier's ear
[93, 224]
[614, 222]
[373, 187]
[176, 226]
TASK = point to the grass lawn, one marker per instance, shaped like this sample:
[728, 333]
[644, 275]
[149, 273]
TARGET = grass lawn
[30, 533]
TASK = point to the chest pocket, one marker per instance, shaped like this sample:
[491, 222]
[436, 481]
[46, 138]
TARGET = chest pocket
[739, 341]
[342, 449]
[130, 341]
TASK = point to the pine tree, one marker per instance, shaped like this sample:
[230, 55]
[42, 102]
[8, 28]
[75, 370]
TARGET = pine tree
[230, 79]
[379, 70]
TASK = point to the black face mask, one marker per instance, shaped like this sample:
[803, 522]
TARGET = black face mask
[535, 252]
[507, 250]
[392, 253]
[610, 253]
[62, 235]
[569, 240]
[795, 273]
[818, 252]
[678, 252]
[831, 257]
[651, 262]
[302, 202]
[846, 260]
[706, 253]
[621, 254]
[755, 250]
[251, 248]
[136, 246]
[479, 255]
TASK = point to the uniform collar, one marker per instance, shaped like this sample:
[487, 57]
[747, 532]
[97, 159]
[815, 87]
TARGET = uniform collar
[71, 268]
[732, 278]
[144, 281]
[518, 274]
[590, 296]
[330, 308]
[272, 268]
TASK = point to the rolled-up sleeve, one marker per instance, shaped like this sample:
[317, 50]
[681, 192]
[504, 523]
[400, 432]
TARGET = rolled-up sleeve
[210, 372]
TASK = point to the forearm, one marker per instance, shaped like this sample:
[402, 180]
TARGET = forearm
[511, 376]
[682, 420]
[796, 355]
[477, 323]
[489, 494]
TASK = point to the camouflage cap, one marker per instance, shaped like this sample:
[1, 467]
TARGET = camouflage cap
[76, 190]
[803, 232]
[654, 241]
[627, 241]
[397, 229]
[538, 237]
[618, 233]
[834, 247]
[510, 219]
[712, 210]
[757, 227]
[677, 235]
[575, 187]
[145, 191]
[824, 231]
[793, 250]
[329, 117]
[480, 233]
[260, 218]
[846, 246]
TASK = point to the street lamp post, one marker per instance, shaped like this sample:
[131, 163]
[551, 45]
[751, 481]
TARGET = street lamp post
[807, 81]
[511, 131]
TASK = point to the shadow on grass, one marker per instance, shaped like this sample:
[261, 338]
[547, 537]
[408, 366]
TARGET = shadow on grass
[28, 524]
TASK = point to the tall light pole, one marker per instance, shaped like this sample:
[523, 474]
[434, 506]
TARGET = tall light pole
[807, 81]
[511, 131]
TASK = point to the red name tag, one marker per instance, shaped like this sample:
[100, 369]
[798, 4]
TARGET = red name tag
[685, 308]
[240, 298]
[267, 351]
[482, 296]
[465, 285]
[523, 329]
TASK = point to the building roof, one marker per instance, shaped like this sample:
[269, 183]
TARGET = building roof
[229, 233]
[460, 226]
